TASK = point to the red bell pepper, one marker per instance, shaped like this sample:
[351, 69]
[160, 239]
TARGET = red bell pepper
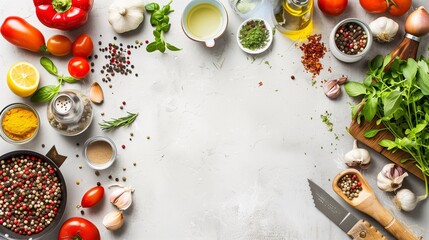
[63, 14]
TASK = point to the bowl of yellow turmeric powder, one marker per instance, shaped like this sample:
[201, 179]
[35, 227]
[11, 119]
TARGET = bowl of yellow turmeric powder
[19, 123]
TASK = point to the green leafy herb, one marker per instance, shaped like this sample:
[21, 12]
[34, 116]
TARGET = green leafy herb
[399, 98]
[118, 122]
[45, 94]
[160, 20]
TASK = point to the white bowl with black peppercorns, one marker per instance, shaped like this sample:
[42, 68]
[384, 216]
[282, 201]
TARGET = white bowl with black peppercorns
[350, 40]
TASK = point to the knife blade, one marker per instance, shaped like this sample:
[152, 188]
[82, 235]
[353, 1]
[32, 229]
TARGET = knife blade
[358, 229]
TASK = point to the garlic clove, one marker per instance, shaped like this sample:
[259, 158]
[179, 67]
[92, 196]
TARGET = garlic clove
[390, 178]
[96, 93]
[122, 197]
[113, 220]
[332, 89]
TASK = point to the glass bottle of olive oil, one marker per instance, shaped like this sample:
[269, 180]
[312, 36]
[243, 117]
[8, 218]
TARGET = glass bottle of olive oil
[294, 18]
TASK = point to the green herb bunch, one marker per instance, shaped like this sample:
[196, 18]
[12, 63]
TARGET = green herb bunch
[160, 20]
[46, 93]
[399, 98]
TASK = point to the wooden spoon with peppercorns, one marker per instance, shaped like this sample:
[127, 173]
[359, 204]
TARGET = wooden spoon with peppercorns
[365, 201]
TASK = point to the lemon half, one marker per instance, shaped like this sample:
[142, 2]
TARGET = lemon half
[23, 79]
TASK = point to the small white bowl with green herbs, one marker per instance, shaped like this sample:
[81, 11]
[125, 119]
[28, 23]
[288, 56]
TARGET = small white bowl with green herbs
[254, 35]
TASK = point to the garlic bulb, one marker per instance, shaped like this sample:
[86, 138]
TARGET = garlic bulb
[113, 220]
[384, 29]
[357, 157]
[122, 197]
[126, 15]
[407, 200]
[390, 178]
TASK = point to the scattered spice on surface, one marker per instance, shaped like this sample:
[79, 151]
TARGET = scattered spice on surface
[98, 183]
[124, 169]
[313, 51]
[134, 164]
[260, 84]
[254, 35]
[77, 182]
[80, 166]
[82, 212]
[268, 64]
[43, 145]
[117, 179]
[350, 38]
[123, 146]
[77, 155]
[292, 77]
[97, 173]
[350, 185]
[20, 123]
[326, 119]
[121, 107]
[124, 179]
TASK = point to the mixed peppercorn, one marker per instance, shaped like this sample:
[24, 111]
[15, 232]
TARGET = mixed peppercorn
[350, 38]
[350, 186]
[30, 194]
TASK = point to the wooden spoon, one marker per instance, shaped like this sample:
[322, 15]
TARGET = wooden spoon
[368, 203]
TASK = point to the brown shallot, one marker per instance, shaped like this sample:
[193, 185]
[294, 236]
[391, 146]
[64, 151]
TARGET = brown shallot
[417, 22]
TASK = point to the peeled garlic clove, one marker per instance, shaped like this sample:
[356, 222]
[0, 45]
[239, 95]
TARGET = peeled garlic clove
[113, 220]
[342, 80]
[96, 93]
[332, 89]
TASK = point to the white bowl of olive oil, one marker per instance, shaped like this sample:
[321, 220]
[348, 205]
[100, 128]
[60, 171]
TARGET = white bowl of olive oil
[204, 21]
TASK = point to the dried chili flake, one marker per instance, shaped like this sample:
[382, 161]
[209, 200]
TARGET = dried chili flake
[313, 51]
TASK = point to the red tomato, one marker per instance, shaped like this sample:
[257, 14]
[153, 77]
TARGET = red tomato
[59, 45]
[332, 7]
[78, 67]
[82, 46]
[22, 34]
[401, 7]
[78, 228]
[92, 196]
[394, 7]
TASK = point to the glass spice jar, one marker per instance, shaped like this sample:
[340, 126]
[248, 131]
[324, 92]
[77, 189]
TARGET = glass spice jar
[70, 112]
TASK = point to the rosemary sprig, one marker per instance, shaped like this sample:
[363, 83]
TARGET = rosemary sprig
[118, 122]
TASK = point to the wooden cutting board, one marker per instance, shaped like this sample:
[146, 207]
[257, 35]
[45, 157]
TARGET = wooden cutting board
[358, 130]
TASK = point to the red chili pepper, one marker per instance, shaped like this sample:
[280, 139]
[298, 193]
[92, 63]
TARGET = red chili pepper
[63, 14]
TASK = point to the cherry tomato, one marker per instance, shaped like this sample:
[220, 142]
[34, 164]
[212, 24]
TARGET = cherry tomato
[59, 45]
[92, 196]
[332, 7]
[78, 228]
[22, 34]
[78, 67]
[394, 7]
[82, 46]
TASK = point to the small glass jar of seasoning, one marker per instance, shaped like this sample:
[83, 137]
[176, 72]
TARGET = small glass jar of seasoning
[70, 112]
[19, 123]
[350, 40]
[99, 152]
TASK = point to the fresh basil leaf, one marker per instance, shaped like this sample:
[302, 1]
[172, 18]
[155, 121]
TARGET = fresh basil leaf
[49, 65]
[173, 48]
[68, 79]
[410, 70]
[45, 94]
[151, 47]
[354, 89]
[376, 63]
[156, 34]
[423, 77]
[372, 133]
[386, 60]
[389, 144]
[165, 27]
[370, 108]
[368, 80]
[161, 46]
[391, 103]
[166, 9]
[158, 15]
[153, 21]
[152, 7]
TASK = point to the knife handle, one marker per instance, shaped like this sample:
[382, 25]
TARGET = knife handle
[399, 231]
[363, 230]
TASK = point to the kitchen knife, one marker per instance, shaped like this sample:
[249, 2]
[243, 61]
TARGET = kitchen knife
[357, 229]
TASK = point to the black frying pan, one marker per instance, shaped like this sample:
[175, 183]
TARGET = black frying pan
[5, 233]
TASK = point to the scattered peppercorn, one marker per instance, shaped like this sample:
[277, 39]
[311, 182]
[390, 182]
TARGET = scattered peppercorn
[97, 173]
[98, 184]
[124, 103]
[77, 182]
[124, 179]
[80, 166]
[82, 212]
[110, 177]
[43, 145]
[292, 77]
[134, 164]
[124, 169]
[123, 146]
[121, 107]
[117, 179]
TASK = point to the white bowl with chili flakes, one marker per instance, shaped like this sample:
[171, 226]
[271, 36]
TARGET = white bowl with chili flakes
[350, 40]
